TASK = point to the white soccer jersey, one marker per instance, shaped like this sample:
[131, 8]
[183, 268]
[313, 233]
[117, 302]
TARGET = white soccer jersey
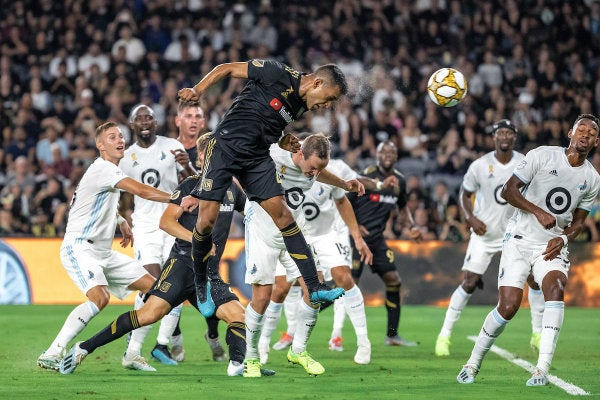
[485, 177]
[555, 186]
[319, 206]
[93, 213]
[154, 166]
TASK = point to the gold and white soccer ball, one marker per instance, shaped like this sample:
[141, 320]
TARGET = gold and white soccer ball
[447, 87]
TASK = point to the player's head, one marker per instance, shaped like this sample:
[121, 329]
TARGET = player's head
[110, 142]
[505, 135]
[315, 152]
[143, 124]
[327, 86]
[201, 144]
[387, 154]
[584, 133]
[190, 118]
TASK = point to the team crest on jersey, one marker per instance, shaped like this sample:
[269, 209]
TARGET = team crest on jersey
[258, 63]
[582, 187]
[175, 195]
[283, 170]
[207, 184]
[162, 155]
[164, 287]
[522, 164]
[490, 171]
[229, 196]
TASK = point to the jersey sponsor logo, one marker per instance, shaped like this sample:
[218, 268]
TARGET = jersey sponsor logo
[498, 197]
[294, 197]
[311, 210]
[275, 104]
[558, 200]
[553, 172]
[151, 177]
[175, 195]
[380, 198]
[258, 63]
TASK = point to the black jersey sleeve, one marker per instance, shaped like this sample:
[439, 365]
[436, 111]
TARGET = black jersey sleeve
[184, 189]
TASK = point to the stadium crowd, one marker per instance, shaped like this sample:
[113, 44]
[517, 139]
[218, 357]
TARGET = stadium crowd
[67, 66]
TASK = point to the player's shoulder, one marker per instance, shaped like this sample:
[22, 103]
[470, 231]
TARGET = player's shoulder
[370, 170]
[168, 142]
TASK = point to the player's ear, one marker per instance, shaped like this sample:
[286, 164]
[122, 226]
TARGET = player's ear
[318, 82]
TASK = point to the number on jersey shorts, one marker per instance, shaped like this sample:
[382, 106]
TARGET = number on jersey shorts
[332, 250]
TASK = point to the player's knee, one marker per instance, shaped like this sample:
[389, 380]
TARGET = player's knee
[149, 315]
[507, 310]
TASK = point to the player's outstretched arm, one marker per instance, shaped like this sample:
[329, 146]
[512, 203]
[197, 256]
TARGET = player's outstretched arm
[511, 192]
[352, 185]
[169, 222]
[347, 213]
[466, 206]
[235, 70]
[139, 189]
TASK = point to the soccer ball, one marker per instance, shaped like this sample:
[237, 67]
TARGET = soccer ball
[447, 87]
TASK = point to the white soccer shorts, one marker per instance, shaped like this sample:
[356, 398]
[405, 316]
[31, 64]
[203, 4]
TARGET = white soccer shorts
[152, 247]
[479, 254]
[332, 250]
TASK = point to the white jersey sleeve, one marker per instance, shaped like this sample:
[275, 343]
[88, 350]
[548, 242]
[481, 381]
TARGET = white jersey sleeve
[154, 166]
[485, 177]
[555, 186]
[93, 210]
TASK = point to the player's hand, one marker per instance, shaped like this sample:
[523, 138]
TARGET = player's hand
[188, 94]
[353, 185]
[366, 256]
[289, 143]
[478, 226]
[181, 156]
[390, 181]
[189, 203]
[553, 248]
[363, 230]
[127, 234]
[213, 250]
[545, 219]
[415, 234]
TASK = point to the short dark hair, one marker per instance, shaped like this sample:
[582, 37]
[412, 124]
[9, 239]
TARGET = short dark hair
[334, 74]
[104, 127]
[317, 144]
[591, 117]
[183, 104]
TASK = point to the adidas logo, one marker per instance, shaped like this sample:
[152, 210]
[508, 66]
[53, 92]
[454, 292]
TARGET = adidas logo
[553, 172]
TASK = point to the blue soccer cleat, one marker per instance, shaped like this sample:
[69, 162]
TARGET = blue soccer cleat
[161, 353]
[323, 294]
[206, 305]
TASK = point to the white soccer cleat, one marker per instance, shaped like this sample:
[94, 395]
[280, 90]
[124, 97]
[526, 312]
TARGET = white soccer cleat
[177, 351]
[363, 354]
[398, 341]
[72, 360]
[538, 378]
[284, 342]
[51, 361]
[217, 350]
[263, 352]
[335, 344]
[136, 362]
[467, 374]
[235, 368]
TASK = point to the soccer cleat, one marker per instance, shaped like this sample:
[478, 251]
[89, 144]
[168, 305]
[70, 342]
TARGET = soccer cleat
[50, 361]
[335, 344]
[311, 366]
[73, 358]
[161, 353]
[467, 374]
[284, 342]
[206, 305]
[323, 294]
[136, 362]
[535, 341]
[263, 352]
[363, 354]
[538, 378]
[252, 368]
[177, 351]
[442, 346]
[398, 341]
[218, 353]
[237, 369]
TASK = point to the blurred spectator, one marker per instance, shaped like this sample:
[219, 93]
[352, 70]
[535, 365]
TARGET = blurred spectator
[20, 145]
[134, 49]
[53, 130]
[182, 50]
[92, 57]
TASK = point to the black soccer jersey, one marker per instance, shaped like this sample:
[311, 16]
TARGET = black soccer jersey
[267, 104]
[234, 200]
[374, 207]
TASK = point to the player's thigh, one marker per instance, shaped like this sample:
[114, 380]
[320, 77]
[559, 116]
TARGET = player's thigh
[261, 260]
[122, 271]
[479, 254]
[260, 180]
[542, 267]
[332, 250]
[176, 282]
[384, 259]
[218, 171]
[515, 264]
[84, 265]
